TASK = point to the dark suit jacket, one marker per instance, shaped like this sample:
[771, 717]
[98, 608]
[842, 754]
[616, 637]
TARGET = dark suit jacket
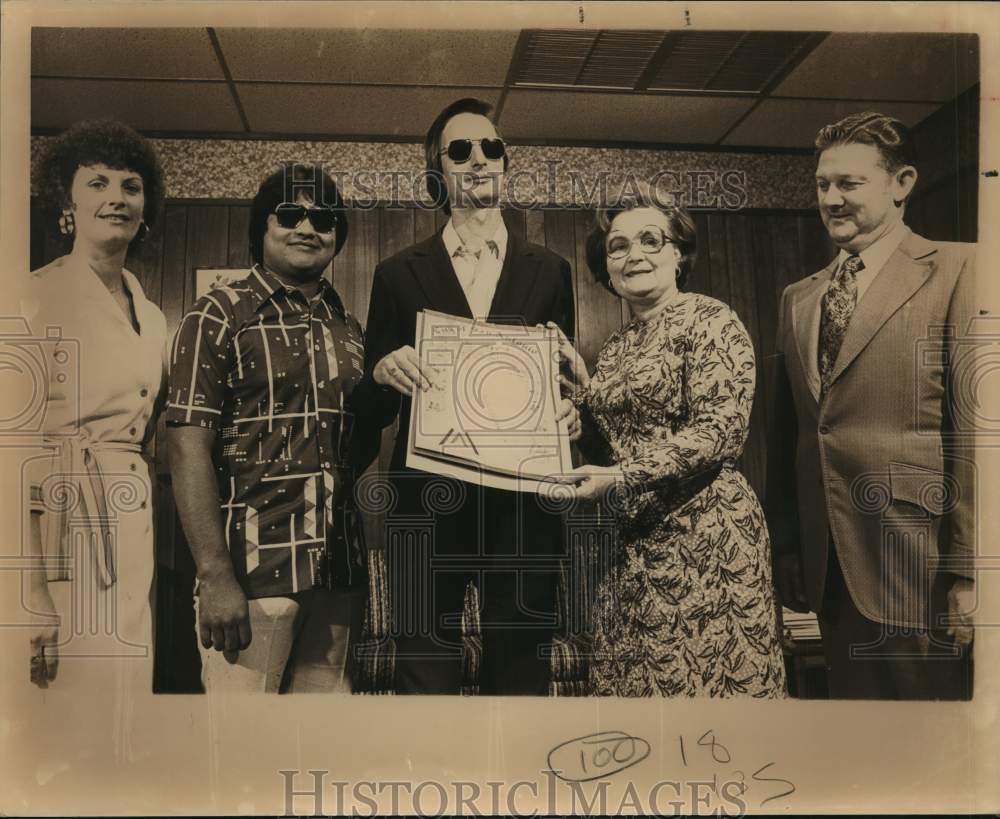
[535, 286]
[872, 461]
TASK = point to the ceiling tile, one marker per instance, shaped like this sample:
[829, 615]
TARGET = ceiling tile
[914, 67]
[374, 56]
[156, 53]
[795, 123]
[654, 118]
[160, 106]
[347, 111]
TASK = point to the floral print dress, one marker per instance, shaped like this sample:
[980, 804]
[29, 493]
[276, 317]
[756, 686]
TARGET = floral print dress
[688, 606]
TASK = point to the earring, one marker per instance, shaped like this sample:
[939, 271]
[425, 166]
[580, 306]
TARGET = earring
[143, 231]
[67, 225]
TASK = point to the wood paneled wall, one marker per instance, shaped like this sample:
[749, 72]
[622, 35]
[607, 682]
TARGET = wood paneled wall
[744, 259]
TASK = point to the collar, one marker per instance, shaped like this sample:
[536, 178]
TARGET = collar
[877, 253]
[265, 285]
[453, 242]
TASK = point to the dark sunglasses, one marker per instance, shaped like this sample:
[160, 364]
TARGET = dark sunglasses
[460, 150]
[290, 216]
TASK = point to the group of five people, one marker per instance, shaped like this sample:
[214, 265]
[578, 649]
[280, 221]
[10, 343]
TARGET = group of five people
[276, 398]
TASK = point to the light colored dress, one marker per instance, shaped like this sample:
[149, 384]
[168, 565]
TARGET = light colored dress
[688, 606]
[93, 489]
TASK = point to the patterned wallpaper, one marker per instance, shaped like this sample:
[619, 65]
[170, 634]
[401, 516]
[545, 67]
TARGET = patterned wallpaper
[232, 169]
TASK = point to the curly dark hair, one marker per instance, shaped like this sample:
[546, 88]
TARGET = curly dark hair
[98, 142]
[682, 233]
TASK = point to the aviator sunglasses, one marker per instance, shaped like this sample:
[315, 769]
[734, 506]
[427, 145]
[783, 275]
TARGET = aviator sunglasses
[460, 150]
[290, 216]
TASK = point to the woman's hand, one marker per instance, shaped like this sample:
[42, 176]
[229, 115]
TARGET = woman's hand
[595, 482]
[401, 371]
[568, 414]
[579, 378]
[44, 635]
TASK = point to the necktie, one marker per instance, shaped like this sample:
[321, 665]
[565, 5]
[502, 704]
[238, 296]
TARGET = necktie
[837, 306]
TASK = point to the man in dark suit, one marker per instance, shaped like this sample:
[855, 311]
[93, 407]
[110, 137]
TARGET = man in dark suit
[443, 533]
[870, 497]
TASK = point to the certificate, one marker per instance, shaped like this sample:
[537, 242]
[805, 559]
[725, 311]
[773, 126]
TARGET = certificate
[490, 417]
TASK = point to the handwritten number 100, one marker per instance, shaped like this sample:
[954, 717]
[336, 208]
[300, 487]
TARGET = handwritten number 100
[603, 756]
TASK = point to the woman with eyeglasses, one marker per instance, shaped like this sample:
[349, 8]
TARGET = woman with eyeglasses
[688, 607]
[92, 494]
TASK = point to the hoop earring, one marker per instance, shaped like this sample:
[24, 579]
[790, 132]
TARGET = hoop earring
[67, 224]
[143, 232]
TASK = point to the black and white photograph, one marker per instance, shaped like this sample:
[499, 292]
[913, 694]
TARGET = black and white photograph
[619, 379]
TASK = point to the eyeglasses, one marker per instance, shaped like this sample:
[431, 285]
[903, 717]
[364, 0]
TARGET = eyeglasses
[290, 216]
[460, 150]
[651, 240]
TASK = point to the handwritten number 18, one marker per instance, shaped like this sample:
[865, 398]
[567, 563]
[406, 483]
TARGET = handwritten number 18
[720, 753]
[717, 747]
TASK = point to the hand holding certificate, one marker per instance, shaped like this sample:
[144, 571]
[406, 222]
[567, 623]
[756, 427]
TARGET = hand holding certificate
[490, 416]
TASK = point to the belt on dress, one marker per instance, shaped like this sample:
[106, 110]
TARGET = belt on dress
[81, 478]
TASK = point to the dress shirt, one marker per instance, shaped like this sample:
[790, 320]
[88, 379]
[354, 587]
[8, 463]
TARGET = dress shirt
[875, 256]
[478, 274]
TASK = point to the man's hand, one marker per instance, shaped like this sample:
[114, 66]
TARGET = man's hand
[223, 614]
[788, 580]
[595, 481]
[401, 370]
[567, 414]
[961, 604]
[44, 635]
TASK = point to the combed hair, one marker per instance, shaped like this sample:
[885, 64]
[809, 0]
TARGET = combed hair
[892, 138]
[432, 146]
[681, 231]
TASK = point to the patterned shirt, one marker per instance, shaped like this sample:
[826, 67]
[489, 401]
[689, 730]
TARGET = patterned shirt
[477, 272]
[273, 373]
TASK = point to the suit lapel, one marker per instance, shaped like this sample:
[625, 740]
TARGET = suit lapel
[906, 271]
[436, 276]
[517, 279]
[805, 326]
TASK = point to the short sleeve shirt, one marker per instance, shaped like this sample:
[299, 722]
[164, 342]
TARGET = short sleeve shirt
[273, 372]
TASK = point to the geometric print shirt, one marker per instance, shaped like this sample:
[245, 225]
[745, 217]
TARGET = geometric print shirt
[273, 374]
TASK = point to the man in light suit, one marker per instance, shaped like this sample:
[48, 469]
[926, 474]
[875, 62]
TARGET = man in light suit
[870, 501]
[507, 543]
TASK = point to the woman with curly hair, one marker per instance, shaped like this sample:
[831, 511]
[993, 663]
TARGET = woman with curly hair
[688, 608]
[92, 527]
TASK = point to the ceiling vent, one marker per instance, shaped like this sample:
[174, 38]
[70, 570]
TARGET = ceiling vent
[696, 61]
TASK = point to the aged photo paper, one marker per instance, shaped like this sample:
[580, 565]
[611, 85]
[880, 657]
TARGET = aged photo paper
[587, 95]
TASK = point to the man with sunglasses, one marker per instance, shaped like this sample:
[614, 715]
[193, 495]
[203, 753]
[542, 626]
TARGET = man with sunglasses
[506, 543]
[263, 444]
